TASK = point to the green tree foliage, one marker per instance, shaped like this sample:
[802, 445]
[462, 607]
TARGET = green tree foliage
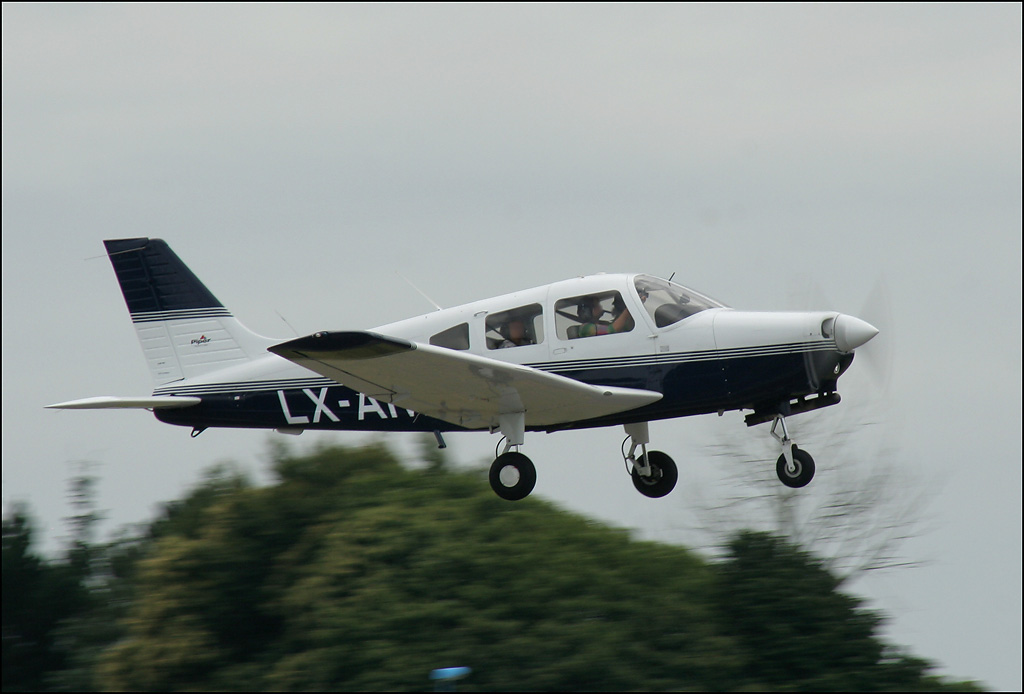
[794, 630]
[352, 572]
[37, 595]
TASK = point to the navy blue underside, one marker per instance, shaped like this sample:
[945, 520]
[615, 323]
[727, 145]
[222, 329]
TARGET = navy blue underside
[689, 389]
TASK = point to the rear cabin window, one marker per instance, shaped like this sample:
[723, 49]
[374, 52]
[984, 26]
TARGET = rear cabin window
[590, 315]
[453, 338]
[517, 327]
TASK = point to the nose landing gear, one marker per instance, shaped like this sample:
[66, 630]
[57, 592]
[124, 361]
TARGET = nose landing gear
[795, 467]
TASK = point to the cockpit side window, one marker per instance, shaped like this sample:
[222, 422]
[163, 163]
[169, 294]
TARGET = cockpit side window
[669, 303]
[456, 337]
[592, 314]
[516, 327]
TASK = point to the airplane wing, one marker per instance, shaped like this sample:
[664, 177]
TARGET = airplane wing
[454, 386]
[104, 402]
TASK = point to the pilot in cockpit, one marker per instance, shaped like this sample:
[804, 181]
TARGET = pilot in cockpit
[514, 334]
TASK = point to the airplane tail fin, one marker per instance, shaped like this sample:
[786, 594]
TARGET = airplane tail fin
[183, 329]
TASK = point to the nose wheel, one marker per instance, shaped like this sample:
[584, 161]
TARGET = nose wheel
[795, 467]
[797, 473]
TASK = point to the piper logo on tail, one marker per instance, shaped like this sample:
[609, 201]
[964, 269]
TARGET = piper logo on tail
[201, 340]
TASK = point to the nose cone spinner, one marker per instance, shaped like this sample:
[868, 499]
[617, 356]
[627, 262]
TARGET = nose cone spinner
[852, 332]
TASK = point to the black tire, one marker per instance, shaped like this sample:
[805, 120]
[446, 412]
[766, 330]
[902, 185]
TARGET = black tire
[804, 469]
[513, 476]
[663, 476]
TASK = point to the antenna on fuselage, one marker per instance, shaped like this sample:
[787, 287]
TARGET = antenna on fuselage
[409, 282]
[287, 323]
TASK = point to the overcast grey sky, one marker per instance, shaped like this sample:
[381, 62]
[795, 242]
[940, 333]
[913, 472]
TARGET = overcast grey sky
[301, 158]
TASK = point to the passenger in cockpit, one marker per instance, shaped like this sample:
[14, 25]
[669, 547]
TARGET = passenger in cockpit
[590, 312]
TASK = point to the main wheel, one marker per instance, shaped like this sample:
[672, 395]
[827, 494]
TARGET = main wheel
[802, 471]
[513, 476]
[663, 475]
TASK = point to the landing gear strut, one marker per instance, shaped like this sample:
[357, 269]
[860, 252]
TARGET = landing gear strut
[654, 473]
[795, 467]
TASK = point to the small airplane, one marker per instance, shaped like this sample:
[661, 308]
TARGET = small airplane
[595, 351]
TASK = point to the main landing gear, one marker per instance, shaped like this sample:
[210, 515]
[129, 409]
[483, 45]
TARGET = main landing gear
[795, 467]
[654, 473]
[513, 475]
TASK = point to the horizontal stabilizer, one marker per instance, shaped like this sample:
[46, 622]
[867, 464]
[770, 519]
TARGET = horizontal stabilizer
[105, 402]
[455, 386]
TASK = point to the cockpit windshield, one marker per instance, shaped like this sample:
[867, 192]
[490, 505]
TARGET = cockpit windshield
[670, 303]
